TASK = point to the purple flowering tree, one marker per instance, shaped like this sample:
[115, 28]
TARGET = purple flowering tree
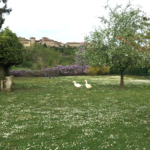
[79, 60]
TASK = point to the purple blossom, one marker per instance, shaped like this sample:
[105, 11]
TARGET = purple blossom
[63, 70]
[83, 65]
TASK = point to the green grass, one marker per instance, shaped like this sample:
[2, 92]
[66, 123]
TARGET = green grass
[51, 114]
[19, 68]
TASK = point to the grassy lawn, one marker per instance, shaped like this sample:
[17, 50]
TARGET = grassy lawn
[19, 68]
[51, 114]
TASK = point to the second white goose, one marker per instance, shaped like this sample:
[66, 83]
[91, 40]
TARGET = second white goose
[88, 86]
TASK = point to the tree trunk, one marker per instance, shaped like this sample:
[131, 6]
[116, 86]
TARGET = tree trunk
[6, 70]
[121, 79]
[1, 71]
[42, 72]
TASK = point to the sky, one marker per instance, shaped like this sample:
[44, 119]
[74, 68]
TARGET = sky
[60, 20]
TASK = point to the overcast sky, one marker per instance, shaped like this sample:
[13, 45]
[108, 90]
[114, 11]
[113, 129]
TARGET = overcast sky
[60, 20]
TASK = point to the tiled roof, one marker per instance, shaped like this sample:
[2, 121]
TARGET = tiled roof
[32, 38]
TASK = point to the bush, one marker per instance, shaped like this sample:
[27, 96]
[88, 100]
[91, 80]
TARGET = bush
[98, 70]
[149, 71]
[38, 66]
[62, 70]
[50, 61]
[21, 73]
[27, 64]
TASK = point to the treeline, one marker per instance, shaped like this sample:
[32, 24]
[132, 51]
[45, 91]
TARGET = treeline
[40, 56]
[132, 71]
[64, 50]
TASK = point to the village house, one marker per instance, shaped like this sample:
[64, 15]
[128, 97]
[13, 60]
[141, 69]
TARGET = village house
[42, 41]
[72, 44]
[47, 41]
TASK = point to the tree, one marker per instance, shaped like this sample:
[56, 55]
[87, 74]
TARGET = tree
[123, 37]
[41, 63]
[10, 50]
[48, 55]
[2, 11]
[45, 45]
[80, 59]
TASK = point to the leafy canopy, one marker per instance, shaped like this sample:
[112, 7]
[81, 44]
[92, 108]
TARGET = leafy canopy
[123, 36]
[120, 41]
[10, 48]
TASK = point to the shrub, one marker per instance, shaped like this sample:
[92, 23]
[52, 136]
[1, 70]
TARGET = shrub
[27, 64]
[38, 66]
[98, 70]
[21, 73]
[62, 70]
[50, 61]
[104, 70]
[37, 73]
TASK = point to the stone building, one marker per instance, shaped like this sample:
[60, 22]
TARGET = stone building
[72, 44]
[24, 41]
[47, 41]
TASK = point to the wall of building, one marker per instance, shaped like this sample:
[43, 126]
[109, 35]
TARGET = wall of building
[48, 42]
[72, 44]
[24, 41]
[32, 41]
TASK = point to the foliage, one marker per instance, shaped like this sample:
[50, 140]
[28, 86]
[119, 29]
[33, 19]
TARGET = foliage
[131, 71]
[63, 70]
[11, 50]
[149, 71]
[45, 45]
[98, 70]
[67, 50]
[67, 60]
[18, 67]
[79, 57]
[123, 36]
[49, 56]
[3, 11]
[26, 63]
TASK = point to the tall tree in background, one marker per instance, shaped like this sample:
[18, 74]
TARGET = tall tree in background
[79, 59]
[123, 35]
[45, 45]
[3, 11]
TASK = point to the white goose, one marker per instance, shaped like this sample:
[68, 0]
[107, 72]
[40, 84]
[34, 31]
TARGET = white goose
[76, 84]
[88, 86]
